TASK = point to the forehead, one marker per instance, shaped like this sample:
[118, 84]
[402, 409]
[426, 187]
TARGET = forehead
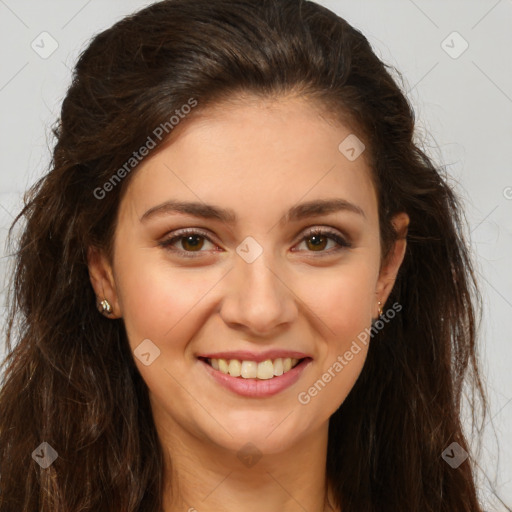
[255, 155]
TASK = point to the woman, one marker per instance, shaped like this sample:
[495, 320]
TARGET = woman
[241, 286]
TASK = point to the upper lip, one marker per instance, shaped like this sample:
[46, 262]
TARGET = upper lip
[245, 355]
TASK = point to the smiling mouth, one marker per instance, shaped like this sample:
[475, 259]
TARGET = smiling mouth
[264, 370]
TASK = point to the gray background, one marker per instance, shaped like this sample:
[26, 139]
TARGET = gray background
[463, 102]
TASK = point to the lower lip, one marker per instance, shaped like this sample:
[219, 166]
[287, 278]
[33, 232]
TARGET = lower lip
[258, 388]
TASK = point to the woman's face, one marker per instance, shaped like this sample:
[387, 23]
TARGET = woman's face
[248, 281]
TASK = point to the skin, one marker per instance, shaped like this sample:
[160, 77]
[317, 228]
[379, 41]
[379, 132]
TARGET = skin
[258, 157]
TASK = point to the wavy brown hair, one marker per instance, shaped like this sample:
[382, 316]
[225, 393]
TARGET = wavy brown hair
[70, 378]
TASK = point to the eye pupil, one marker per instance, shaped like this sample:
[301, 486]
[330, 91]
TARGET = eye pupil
[320, 241]
[187, 241]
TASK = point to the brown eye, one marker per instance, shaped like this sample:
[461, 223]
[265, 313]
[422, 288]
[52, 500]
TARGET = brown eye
[316, 240]
[191, 242]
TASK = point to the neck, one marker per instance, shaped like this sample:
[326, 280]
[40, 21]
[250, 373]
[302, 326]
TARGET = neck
[201, 476]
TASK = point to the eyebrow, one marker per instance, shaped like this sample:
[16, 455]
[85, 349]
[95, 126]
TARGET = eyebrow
[296, 213]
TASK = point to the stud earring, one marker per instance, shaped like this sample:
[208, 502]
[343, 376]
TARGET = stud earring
[106, 307]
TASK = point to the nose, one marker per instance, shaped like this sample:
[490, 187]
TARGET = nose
[258, 298]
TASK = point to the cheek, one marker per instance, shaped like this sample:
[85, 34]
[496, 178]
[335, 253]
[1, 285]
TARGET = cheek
[158, 303]
[343, 300]
[163, 307]
[343, 303]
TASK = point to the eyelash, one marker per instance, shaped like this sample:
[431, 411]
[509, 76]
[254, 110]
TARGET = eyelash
[333, 235]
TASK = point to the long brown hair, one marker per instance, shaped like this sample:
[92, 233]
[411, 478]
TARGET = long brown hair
[70, 379]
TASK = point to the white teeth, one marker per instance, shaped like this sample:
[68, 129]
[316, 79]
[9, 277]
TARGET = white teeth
[234, 368]
[265, 369]
[251, 369]
[278, 367]
[223, 366]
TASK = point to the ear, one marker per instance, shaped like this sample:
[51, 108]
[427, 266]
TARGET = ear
[389, 270]
[102, 279]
